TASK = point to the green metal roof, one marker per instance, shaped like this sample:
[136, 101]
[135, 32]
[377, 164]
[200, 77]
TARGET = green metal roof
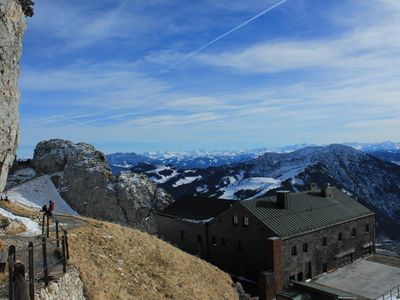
[307, 211]
[198, 208]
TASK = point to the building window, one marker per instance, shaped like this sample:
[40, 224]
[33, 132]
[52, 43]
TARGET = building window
[292, 278]
[234, 220]
[366, 227]
[214, 240]
[245, 221]
[324, 242]
[353, 232]
[324, 268]
[305, 247]
[309, 270]
[223, 242]
[199, 238]
[239, 246]
[182, 235]
[300, 276]
[294, 251]
[339, 236]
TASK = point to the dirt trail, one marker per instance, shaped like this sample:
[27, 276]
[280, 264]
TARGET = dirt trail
[54, 261]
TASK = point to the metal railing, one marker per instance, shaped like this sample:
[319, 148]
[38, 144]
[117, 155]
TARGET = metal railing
[45, 241]
[393, 294]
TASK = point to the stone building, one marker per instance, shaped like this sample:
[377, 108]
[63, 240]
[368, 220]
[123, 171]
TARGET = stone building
[275, 240]
[185, 223]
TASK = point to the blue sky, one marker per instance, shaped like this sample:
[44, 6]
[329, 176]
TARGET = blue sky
[120, 74]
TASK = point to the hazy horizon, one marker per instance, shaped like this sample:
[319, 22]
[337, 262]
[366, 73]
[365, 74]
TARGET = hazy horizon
[29, 151]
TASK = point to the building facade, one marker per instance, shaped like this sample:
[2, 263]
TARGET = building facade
[185, 223]
[275, 240]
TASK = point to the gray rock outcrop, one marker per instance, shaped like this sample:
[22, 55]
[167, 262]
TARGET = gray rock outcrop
[69, 286]
[12, 27]
[84, 179]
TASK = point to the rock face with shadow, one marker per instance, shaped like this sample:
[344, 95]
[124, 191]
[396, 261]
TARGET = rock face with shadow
[84, 179]
[12, 27]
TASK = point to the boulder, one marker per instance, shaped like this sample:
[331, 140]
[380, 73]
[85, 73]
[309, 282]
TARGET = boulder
[84, 179]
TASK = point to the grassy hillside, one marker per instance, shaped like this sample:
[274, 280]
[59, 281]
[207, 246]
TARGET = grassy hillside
[117, 262]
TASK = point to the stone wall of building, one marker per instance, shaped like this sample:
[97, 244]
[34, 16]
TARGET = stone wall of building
[297, 266]
[244, 259]
[68, 286]
[185, 235]
[259, 250]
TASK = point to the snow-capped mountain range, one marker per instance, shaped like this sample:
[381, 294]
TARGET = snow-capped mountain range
[375, 147]
[203, 159]
[375, 182]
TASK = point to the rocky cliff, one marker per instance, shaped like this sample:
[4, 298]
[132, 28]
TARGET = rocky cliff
[12, 27]
[84, 179]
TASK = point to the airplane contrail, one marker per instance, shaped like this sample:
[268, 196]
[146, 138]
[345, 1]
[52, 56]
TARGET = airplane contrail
[222, 36]
[200, 49]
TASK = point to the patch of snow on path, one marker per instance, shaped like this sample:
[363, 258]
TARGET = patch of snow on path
[32, 228]
[37, 192]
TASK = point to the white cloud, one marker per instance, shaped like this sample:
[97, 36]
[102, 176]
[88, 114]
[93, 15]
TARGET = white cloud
[366, 46]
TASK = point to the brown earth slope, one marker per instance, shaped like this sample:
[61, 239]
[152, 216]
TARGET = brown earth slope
[117, 262]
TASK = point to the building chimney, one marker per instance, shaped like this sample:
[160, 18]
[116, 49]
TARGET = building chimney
[327, 190]
[283, 199]
[312, 186]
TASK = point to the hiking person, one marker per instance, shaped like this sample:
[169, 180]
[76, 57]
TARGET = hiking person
[51, 207]
[44, 208]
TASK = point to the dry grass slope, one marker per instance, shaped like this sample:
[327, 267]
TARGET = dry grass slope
[20, 210]
[117, 262]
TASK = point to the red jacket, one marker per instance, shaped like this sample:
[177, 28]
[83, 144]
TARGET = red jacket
[51, 207]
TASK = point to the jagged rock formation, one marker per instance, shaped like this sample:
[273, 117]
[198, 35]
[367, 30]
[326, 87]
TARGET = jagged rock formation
[12, 27]
[84, 179]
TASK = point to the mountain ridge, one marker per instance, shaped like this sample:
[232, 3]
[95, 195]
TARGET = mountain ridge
[374, 182]
[121, 161]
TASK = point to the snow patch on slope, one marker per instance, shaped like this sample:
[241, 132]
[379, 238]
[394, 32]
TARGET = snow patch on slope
[186, 180]
[37, 192]
[163, 178]
[290, 172]
[32, 228]
[202, 189]
[20, 176]
[259, 184]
